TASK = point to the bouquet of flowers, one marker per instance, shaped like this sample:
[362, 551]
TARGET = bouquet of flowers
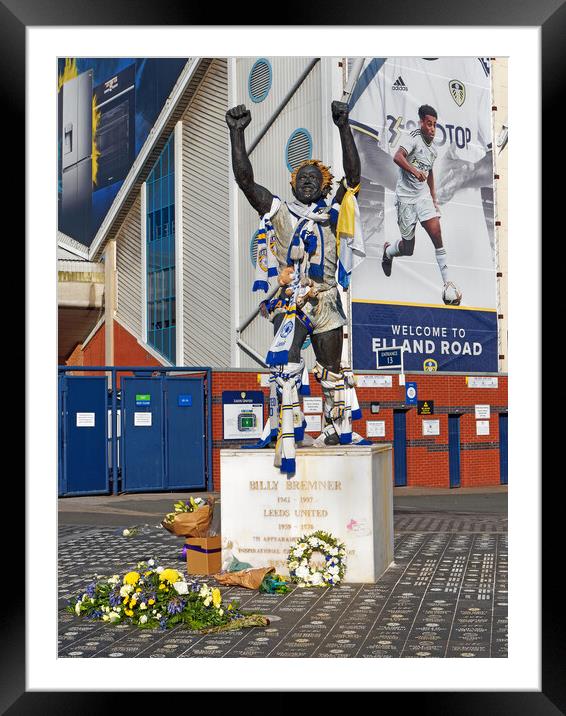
[190, 518]
[274, 584]
[262, 578]
[155, 597]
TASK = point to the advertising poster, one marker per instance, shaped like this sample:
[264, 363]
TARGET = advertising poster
[106, 108]
[439, 299]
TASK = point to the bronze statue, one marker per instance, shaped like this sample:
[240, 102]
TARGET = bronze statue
[303, 241]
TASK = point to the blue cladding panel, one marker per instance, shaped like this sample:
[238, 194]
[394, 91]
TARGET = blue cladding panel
[185, 433]
[400, 447]
[503, 448]
[142, 445]
[85, 467]
[454, 449]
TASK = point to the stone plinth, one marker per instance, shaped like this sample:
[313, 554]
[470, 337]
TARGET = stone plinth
[345, 490]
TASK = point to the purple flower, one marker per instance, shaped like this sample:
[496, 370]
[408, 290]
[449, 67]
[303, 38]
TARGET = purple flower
[91, 589]
[175, 606]
[163, 623]
[114, 599]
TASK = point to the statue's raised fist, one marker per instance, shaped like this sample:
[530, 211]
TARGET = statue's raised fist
[238, 117]
[340, 113]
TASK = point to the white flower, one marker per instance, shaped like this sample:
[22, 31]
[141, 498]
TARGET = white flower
[207, 601]
[154, 611]
[302, 572]
[113, 616]
[114, 579]
[294, 564]
[334, 569]
[333, 551]
[126, 589]
[159, 569]
[78, 608]
[221, 612]
[181, 587]
[143, 605]
[298, 552]
[316, 578]
[313, 541]
[158, 616]
[151, 562]
[126, 533]
[105, 618]
[84, 597]
[143, 619]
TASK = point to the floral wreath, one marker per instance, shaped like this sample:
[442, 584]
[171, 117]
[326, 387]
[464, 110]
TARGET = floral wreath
[301, 551]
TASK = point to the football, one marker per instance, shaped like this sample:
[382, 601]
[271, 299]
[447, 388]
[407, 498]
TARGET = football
[451, 294]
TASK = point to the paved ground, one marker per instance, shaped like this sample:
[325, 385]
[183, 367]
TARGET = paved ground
[445, 596]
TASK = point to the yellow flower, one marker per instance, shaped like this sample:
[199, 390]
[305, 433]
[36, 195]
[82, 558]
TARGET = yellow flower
[131, 578]
[162, 586]
[216, 597]
[133, 602]
[146, 574]
[169, 575]
[138, 589]
[129, 612]
[125, 600]
[151, 601]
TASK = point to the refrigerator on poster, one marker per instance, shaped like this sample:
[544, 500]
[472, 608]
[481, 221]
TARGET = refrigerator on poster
[106, 109]
[407, 308]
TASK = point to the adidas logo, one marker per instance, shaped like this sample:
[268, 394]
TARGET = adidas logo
[399, 85]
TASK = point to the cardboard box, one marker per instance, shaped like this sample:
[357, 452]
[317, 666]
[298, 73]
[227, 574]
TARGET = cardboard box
[204, 555]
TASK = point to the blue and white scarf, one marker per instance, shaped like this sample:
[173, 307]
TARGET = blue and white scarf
[266, 267]
[308, 234]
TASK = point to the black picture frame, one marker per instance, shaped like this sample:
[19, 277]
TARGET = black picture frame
[550, 16]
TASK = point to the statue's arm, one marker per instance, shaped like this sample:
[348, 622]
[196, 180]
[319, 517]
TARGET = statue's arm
[350, 156]
[258, 196]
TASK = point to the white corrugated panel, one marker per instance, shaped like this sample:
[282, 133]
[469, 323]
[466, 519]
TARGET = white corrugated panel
[128, 265]
[270, 170]
[206, 232]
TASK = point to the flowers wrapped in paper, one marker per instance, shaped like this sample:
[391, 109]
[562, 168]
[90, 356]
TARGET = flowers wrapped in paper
[262, 578]
[191, 518]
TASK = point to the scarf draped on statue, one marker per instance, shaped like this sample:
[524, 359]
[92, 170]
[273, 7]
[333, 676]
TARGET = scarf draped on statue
[341, 406]
[306, 255]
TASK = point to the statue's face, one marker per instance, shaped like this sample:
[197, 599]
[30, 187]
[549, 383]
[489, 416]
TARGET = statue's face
[308, 184]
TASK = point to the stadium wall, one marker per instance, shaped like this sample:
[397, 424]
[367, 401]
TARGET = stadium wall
[427, 457]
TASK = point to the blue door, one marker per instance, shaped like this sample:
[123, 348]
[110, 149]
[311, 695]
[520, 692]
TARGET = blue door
[503, 448]
[400, 447]
[83, 425]
[454, 449]
[142, 443]
[185, 433]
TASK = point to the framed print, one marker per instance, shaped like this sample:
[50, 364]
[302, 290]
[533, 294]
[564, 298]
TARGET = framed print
[35, 34]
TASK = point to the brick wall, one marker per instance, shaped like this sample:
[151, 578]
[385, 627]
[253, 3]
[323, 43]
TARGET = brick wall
[427, 457]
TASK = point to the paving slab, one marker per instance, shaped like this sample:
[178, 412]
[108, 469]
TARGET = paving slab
[445, 596]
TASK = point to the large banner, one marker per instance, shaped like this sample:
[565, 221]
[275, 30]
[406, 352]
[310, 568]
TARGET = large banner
[106, 109]
[408, 307]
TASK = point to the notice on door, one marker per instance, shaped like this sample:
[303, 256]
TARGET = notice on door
[314, 423]
[142, 420]
[85, 420]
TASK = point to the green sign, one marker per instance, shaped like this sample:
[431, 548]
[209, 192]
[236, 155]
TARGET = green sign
[143, 400]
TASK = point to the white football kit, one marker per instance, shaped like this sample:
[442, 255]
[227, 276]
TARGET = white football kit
[413, 200]
[383, 114]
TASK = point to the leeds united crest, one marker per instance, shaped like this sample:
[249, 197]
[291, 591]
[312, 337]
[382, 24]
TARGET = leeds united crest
[458, 91]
